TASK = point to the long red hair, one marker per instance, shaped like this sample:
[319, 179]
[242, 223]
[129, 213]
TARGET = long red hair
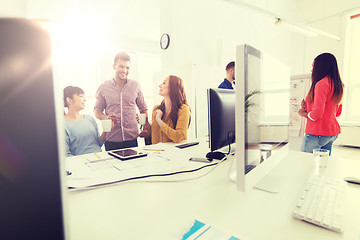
[177, 97]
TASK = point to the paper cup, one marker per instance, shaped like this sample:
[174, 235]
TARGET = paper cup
[142, 118]
[106, 125]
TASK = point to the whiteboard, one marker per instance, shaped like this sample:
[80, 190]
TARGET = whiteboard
[299, 87]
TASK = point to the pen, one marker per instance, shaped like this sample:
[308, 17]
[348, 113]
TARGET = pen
[97, 155]
[147, 149]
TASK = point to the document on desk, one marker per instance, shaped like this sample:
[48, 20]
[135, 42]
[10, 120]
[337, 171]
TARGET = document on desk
[100, 168]
[202, 231]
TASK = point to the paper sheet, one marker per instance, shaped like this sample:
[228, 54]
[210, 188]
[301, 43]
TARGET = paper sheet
[100, 168]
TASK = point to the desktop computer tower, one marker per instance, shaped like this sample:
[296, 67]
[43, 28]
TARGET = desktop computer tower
[31, 201]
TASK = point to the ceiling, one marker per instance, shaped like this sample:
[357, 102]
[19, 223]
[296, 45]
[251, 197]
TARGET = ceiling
[301, 11]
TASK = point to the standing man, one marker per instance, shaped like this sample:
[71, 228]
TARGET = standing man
[230, 76]
[119, 98]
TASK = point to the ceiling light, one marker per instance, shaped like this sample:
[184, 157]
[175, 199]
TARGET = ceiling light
[295, 28]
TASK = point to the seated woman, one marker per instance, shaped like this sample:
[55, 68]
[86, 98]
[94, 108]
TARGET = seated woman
[170, 119]
[81, 130]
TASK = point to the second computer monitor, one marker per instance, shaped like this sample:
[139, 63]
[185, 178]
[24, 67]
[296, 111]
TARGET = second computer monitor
[221, 110]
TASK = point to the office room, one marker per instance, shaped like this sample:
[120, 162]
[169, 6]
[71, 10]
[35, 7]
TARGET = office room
[203, 39]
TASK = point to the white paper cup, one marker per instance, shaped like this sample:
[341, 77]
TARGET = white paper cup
[142, 118]
[106, 125]
[265, 151]
[321, 157]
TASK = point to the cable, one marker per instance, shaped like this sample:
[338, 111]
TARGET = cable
[159, 175]
[188, 179]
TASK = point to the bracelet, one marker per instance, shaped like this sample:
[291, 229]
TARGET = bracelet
[308, 116]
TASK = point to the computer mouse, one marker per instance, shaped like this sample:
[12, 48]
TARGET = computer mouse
[215, 155]
[352, 180]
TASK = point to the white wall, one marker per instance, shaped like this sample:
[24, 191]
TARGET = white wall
[207, 31]
[317, 45]
[203, 33]
[12, 8]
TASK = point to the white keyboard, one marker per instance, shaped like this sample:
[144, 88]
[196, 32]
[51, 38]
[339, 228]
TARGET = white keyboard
[321, 203]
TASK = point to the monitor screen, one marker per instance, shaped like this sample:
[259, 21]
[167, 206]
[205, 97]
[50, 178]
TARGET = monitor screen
[221, 110]
[261, 128]
[30, 174]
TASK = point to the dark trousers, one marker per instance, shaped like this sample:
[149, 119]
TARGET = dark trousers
[119, 145]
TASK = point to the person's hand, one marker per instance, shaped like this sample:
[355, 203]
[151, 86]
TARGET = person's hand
[302, 112]
[112, 125]
[303, 104]
[146, 132]
[114, 117]
[158, 115]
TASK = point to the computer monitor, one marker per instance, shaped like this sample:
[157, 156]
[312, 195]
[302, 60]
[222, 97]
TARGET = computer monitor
[31, 141]
[255, 154]
[221, 117]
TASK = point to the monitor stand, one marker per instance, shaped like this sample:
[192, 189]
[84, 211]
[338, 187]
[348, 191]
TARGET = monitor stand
[269, 183]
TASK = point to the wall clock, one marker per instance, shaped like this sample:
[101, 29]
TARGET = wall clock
[165, 41]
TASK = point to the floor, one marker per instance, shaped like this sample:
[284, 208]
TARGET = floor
[345, 152]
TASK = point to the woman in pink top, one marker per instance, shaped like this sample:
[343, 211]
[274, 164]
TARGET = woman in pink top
[322, 104]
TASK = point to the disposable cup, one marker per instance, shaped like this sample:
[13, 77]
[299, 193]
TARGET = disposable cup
[321, 157]
[106, 125]
[265, 151]
[142, 118]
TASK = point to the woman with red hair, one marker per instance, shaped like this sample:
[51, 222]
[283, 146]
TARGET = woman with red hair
[170, 119]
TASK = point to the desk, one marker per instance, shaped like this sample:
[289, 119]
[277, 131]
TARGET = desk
[143, 210]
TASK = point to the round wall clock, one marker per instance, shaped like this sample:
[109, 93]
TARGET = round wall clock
[165, 41]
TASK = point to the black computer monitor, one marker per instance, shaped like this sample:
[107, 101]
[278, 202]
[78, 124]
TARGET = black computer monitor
[31, 189]
[221, 110]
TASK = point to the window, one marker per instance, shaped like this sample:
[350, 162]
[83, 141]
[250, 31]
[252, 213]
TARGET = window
[275, 91]
[351, 76]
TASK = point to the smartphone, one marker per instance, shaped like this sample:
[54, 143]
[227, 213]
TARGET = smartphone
[197, 159]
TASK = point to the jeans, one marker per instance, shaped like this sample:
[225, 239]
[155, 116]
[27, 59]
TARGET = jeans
[317, 142]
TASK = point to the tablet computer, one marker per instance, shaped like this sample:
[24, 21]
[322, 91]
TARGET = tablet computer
[126, 154]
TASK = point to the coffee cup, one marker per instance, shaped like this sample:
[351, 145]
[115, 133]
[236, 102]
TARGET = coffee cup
[142, 118]
[106, 125]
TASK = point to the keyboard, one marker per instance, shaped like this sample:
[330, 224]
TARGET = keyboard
[185, 145]
[321, 203]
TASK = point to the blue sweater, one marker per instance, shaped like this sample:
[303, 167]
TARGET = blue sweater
[82, 136]
[226, 84]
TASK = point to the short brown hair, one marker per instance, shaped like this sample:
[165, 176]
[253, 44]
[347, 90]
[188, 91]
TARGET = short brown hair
[123, 56]
[230, 65]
